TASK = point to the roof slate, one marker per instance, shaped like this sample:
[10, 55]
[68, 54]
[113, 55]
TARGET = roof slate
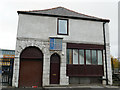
[63, 12]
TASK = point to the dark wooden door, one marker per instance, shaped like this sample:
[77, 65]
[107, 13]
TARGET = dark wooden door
[55, 69]
[30, 73]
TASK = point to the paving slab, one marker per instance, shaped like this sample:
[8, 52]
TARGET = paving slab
[68, 88]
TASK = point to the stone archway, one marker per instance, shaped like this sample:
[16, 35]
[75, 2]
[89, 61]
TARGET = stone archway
[31, 67]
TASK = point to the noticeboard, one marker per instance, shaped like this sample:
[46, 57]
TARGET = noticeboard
[6, 61]
[55, 44]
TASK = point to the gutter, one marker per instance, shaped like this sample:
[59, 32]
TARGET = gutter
[105, 53]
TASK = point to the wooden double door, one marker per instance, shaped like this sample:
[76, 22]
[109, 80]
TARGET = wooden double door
[31, 67]
[30, 73]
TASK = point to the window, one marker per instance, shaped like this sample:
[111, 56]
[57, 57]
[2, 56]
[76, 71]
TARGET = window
[88, 57]
[62, 26]
[81, 56]
[99, 57]
[84, 57]
[94, 57]
[69, 56]
[75, 56]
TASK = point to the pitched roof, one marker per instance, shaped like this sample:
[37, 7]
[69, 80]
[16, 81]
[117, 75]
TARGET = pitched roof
[63, 12]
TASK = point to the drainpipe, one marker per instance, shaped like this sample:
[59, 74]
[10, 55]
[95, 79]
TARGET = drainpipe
[105, 53]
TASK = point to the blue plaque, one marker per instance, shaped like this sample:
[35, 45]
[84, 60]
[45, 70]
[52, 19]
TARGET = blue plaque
[55, 44]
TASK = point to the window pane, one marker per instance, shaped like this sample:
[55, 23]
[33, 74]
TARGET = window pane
[75, 56]
[88, 57]
[69, 56]
[55, 44]
[94, 58]
[58, 44]
[81, 56]
[63, 26]
[99, 57]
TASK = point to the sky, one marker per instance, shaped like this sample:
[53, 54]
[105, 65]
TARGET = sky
[107, 9]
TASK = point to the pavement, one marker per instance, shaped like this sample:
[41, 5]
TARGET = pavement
[93, 87]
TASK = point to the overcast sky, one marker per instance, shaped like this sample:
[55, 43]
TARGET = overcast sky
[100, 8]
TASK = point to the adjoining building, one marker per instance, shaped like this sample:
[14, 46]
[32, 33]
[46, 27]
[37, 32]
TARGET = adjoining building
[59, 46]
[119, 30]
[6, 63]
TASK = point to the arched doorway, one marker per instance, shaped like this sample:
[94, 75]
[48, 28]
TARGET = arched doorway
[31, 67]
[55, 69]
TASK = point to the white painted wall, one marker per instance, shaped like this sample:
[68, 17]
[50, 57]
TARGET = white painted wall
[36, 26]
[41, 27]
[36, 30]
[86, 31]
